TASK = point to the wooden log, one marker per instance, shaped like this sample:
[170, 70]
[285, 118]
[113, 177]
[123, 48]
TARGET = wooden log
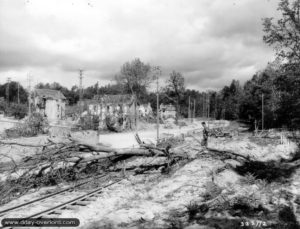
[229, 152]
[92, 145]
[120, 152]
[6, 142]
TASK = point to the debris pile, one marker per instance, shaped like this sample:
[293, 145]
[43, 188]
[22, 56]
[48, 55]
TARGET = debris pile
[218, 132]
[32, 126]
[69, 159]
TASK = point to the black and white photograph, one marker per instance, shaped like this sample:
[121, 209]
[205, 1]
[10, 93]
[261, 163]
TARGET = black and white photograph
[150, 114]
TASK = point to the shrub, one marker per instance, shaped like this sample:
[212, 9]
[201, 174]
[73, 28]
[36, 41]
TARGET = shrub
[89, 122]
[34, 125]
[248, 179]
[2, 105]
[19, 111]
[37, 123]
[193, 209]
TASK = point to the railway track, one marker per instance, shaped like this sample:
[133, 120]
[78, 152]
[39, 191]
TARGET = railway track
[3, 212]
[75, 203]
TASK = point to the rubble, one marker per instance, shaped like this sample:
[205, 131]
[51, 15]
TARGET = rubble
[66, 159]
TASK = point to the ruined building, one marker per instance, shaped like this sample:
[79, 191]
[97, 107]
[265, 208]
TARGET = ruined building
[114, 108]
[167, 111]
[50, 103]
[145, 110]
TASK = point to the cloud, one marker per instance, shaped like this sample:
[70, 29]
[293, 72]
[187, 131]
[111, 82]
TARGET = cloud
[209, 41]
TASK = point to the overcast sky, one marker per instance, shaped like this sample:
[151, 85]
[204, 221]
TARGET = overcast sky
[209, 41]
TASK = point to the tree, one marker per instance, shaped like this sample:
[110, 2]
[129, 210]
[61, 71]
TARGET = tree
[13, 92]
[284, 35]
[175, 88]
[262, 83]
[135, 78]
[110, 89]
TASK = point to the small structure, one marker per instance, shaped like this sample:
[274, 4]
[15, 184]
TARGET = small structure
[145, 110]
[50, 103]
[167, 111]
[101, 105]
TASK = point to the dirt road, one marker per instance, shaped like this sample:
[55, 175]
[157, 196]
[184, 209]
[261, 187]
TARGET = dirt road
[127, 139]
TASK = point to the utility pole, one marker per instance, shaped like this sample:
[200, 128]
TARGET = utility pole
[208, 106]
[262, 111]
[189, 111]
[157, 110]
[194, 113]
[216, 107]
[29, 94]
[80, 84]
[158, 73]
[80, 90]
[18, 93]
[203, 105]
[7, 90]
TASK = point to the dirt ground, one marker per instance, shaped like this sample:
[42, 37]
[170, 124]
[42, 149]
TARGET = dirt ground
[6, 123]
[159, 200]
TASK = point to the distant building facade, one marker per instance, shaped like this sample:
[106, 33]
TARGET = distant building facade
[145, 110]
[167, 111]
[50, 103]
[123, 107]
[117, 107]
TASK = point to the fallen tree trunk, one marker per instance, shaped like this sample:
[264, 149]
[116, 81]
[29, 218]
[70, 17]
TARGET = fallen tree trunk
[121, 152]
[229, 153]
[65, 159]
[143, 151]
[6, 142]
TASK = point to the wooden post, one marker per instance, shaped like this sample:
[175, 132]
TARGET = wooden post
[194, 113]
[157, 111]
[203, 103]
[262, 111]
[29, 94]
[216, 107]
[208, 106]
[81, 91]
[135, 115]
[7, 90]
[18, 93]
[189, 111]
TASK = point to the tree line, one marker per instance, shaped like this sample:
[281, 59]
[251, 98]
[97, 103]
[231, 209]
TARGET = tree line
[272, 94]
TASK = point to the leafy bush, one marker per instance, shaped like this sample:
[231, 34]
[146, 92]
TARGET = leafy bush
[248, 179]
[19, 111]
[192, 209]
[89, 122]
[2, 105]
[34, 125]
[37, 123]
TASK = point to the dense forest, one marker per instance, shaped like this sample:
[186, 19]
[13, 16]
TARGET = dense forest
[272, 94]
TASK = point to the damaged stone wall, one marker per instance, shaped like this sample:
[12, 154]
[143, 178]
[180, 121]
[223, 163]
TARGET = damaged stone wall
[118, 112]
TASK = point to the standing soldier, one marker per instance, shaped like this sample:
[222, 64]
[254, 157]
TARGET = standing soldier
[205, 135]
